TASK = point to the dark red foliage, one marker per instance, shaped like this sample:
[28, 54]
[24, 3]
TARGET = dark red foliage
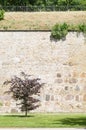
[25, 89]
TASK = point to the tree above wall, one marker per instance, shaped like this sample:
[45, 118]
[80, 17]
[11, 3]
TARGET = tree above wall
[40, 2]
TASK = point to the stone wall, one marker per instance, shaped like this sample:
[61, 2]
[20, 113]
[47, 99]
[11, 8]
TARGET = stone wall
[61, 65]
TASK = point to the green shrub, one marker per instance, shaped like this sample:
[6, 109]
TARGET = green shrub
[82, 28]
[59, 31]
[2, 14]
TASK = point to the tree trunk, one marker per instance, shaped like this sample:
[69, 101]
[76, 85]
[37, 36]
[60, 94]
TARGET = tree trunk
[26, 112]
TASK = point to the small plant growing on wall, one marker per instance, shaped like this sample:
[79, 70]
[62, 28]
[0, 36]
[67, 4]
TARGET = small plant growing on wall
[59, 31]
[2, 12]
[82, 28]
[24, 90]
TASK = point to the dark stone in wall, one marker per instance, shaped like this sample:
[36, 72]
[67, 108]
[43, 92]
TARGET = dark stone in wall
[47, 97]
[58, 75]
[66, 87]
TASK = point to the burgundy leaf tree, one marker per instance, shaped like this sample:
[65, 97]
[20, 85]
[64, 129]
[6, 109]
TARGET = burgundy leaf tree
[24, 90]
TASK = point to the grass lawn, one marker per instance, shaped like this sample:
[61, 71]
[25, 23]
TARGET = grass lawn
[40, 20]
[44, 120]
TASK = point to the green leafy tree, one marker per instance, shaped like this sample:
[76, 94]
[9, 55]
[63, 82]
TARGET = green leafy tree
[68, 2]
[3, 2]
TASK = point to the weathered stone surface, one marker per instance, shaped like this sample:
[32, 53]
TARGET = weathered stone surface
[77, 88]
[61, 66]
[7, 103]
[84, 88]
[75, 74]
[84, 98]
[83, 75]
[72, 80]
[59, 75]
[14, 111]
[66, 87]
[52, 98]
[69, 97]
[59, 80]
[77, 98]
[47, 97]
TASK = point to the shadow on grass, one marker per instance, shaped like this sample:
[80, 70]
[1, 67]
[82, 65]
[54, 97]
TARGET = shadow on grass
[80, 122]
[22, 116]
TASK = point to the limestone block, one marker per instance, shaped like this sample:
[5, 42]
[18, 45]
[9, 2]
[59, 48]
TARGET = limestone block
[47, 97]
[59, 75]
[16, 60]
[83, 75]
[52, 98]
[7, 103]
[75, 74]
[66, 87]
[84, 88]
[73, 80]
[59, 80]
[14, 110]
[77, 88]
[0, 64]
[77, 98]
[69, 97]
[84, 98]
